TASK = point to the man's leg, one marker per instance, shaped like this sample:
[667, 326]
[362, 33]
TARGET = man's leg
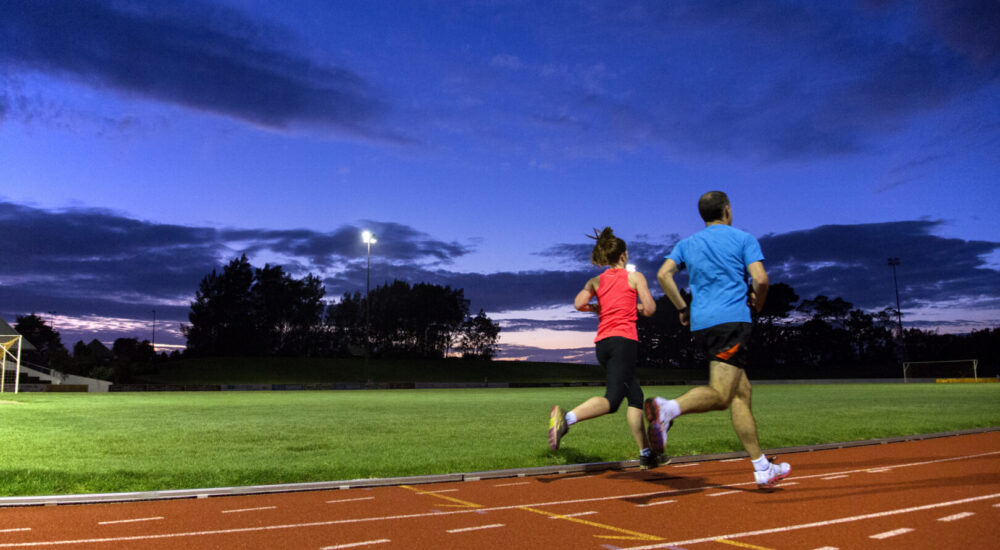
[723, 380]
[743, 421]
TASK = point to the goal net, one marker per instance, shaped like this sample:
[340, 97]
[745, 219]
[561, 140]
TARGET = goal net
[953, 370]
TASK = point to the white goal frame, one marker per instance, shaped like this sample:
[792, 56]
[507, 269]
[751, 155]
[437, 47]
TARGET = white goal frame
[7, 345]
[975, 366]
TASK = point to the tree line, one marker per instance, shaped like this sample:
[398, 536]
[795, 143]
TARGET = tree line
[248, 311]
[818, 338]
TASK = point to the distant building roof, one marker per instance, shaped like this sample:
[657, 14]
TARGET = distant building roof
[7, 330]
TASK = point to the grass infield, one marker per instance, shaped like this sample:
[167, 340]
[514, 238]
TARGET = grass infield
[87, 443]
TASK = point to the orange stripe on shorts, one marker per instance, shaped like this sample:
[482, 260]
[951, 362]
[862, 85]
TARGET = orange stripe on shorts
[728, 353]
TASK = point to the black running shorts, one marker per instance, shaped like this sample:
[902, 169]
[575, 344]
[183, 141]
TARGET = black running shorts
[619, 356]
[726, 342]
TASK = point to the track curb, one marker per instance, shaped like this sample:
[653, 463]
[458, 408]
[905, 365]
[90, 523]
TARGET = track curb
[104, 498]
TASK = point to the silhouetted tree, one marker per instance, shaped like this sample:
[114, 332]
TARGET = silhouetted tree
[222, 321]
[478, 337]
[247, 311]
[49, 350]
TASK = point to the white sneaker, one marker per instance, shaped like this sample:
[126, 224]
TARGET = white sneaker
[771, 476]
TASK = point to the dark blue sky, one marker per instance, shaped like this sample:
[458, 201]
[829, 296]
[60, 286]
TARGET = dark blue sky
[143, 144]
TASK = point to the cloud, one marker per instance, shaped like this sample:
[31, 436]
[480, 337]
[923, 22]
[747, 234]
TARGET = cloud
[851, 261]
[206, 58]
[780, 81]
[96, 263]
[87, 261]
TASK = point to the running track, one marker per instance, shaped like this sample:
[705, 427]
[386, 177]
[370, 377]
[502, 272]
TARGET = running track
[934, 493]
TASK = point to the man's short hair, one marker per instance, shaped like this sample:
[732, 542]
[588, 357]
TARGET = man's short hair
[711, 205]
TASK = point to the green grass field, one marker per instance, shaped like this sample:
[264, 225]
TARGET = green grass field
[82, 443]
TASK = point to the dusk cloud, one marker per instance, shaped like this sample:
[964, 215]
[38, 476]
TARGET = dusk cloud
[96, 262]
[206, 58]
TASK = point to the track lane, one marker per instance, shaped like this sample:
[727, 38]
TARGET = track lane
[826, 503]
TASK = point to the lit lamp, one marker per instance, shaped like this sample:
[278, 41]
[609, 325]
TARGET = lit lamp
[368, 238]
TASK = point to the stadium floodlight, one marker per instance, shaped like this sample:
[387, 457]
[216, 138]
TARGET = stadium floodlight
[893, 262]
[368, 238]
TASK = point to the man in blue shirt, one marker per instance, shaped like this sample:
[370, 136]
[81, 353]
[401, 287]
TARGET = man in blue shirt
[718, 259]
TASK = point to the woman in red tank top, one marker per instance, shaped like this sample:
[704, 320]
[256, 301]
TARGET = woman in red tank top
[617, 342]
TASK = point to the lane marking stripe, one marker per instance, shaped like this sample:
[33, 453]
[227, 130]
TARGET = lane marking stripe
[743, 544]
[576, 515]
[820, 523]
[459, 502]
[15, 530]
[655, 503]
[722, 493]
[957, 516]
[628, 535]
[136, 520]
[513, 484]
[466, 529]
[893, 533]
[842, 476]
[355, 544]
[250, 509]
[349, 500]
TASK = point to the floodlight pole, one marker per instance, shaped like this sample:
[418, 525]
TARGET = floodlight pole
[893, 262]
[154, 332]
[369, 239]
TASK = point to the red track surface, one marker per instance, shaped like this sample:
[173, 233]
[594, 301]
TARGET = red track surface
[937, 493]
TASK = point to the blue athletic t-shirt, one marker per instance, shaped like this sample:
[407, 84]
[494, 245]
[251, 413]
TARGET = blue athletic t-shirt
[716, 259]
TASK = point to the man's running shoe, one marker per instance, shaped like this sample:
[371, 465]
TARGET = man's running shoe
[557, 426]
[657, 431]
[771, 476]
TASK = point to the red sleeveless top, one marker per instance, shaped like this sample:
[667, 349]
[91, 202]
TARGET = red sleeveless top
[618, 306]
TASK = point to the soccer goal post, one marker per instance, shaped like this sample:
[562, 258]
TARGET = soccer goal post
[957, 369]
[7, 343]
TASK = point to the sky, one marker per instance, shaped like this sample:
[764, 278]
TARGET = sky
[144, 144]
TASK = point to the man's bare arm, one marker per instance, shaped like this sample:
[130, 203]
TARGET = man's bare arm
[760, 285]
[665, 276]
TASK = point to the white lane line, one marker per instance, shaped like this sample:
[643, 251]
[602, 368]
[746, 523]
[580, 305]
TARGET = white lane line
[722, 493]
[957, 516]
[249, 509]
[349, 500]
[997, 505]
[828, 548]
[136, 520]
[893, 533]
[15, 530]
[837, 521]
[576, 515]
[466, 529]
[655, 503]
[355, 544]
[440, 491]
[828, 478]
[575, 478]
[732, 460]
[688, 465]
[513, 484]
[878, 470]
